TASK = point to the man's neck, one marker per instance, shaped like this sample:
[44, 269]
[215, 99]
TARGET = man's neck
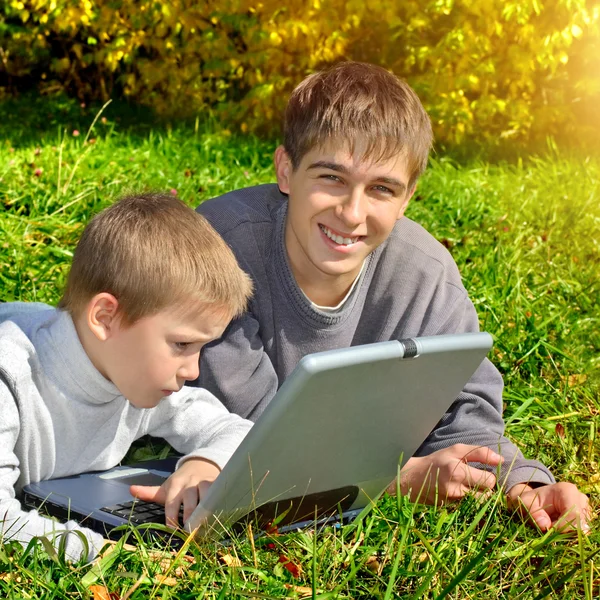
[325, 290]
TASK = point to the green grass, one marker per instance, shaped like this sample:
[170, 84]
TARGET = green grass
[526, 238]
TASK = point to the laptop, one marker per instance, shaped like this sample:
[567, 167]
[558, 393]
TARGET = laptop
[328, 444]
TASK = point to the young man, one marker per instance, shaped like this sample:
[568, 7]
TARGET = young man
[151, 283]
[335, 263]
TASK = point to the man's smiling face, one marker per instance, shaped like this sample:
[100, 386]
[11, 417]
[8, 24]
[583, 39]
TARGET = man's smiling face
[341, 207]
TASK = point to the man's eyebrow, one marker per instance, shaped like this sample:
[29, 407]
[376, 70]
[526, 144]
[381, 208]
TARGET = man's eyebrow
[392, 181]
[333, 166]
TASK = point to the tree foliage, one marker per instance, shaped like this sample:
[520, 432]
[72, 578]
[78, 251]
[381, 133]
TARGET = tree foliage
[485, 69]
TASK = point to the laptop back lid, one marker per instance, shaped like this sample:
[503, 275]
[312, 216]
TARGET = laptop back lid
[333, 435]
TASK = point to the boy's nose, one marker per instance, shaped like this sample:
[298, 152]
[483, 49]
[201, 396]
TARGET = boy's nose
[190, 369]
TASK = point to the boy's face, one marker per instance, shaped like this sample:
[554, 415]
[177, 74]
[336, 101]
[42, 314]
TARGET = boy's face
[340, 209]
[155, 356]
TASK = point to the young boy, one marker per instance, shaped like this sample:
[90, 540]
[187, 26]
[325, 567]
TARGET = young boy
[151, 283]
[335, 263]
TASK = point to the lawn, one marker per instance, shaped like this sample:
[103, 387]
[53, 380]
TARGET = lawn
[526, 238]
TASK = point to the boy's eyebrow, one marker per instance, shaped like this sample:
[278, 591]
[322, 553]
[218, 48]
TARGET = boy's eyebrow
[333, 166]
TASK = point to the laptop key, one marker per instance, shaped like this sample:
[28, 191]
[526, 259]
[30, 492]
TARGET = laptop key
[143, 518]
[140, 512]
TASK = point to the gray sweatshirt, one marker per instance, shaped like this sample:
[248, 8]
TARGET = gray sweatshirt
[59, 416]
[409, 287]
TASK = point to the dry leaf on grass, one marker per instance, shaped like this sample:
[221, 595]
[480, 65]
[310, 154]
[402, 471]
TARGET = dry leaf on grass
[300, 589]
[229, 560]
[99, 592]
[162, 580]
[575, 379]
[165, 562]
[373, 563]
[11, 577]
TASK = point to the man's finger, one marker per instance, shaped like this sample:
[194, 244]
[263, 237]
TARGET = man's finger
[483, 455]
[530, 505]
[478, 479]
[575, 517]
[148, 493]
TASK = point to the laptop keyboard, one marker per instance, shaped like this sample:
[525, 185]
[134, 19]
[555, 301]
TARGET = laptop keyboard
[139, 512]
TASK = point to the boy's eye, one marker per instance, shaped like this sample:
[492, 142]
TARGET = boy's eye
[181, 345]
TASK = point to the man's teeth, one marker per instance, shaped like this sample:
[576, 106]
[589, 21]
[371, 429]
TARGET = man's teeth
[338, 239]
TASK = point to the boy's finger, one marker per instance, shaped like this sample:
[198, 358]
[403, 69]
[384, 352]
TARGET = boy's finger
[190, 501]
[172, 507]
[148, 493]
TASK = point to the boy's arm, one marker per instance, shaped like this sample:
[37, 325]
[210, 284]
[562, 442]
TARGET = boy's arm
[196, 424]
[238, 371]
[20, 525]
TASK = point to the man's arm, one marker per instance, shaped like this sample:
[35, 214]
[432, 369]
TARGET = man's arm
[469, 440]
[20, 525]
[475, 417]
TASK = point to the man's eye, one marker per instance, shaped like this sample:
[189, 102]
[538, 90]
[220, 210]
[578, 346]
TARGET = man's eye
[383, 190]
[330, 177]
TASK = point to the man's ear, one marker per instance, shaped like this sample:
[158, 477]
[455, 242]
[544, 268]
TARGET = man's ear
[102, 316]
[283, 169]
[405, 201]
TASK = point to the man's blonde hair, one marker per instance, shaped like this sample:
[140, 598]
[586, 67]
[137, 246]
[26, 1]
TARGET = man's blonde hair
[361, 105]
[152, 252]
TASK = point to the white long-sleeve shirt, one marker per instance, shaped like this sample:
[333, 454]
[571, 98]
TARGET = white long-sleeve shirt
[59, 416]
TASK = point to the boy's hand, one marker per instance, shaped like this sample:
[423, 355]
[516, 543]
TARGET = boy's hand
[444, 476]
[186, 486]
[559, 505]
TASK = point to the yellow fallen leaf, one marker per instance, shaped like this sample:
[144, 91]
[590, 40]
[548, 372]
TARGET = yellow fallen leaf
[373, 563]
[163, 580]
[575, 379]
[11, 577]
[229, 560]
[99, 592]
[300, 589]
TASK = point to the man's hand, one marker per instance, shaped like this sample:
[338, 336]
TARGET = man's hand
[444, 476]
[186, 486]
[559, 505]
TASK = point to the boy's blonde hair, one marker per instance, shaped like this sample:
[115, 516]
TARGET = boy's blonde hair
[151, 252]
[361, 105]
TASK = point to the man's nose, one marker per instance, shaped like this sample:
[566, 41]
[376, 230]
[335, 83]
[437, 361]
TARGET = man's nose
[353, 210]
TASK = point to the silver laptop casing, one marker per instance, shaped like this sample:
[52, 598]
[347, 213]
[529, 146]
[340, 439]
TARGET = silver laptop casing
[345, 420]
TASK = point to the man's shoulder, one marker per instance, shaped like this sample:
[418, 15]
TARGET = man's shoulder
[246, 207]
[415, 248]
